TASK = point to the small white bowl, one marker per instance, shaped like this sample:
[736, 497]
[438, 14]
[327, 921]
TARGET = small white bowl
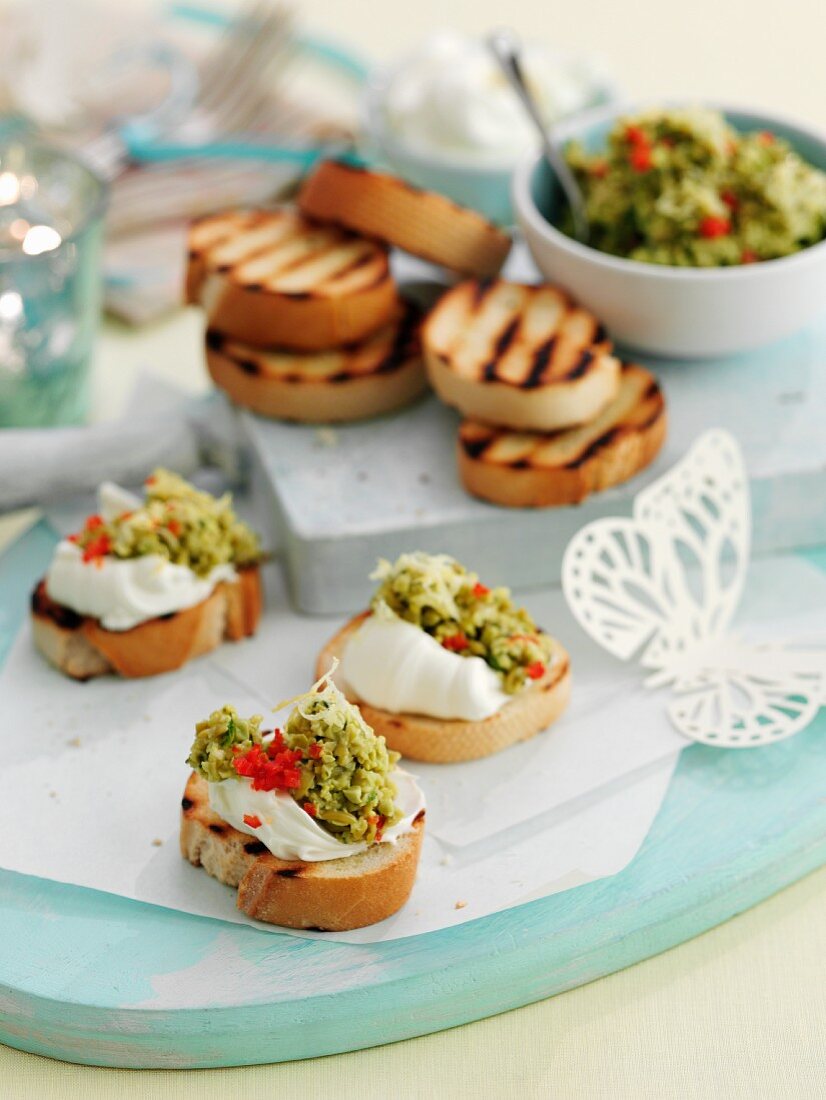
[484, 186]
[675, 311]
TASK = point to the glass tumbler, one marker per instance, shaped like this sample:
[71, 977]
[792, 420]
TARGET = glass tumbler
[51, 232]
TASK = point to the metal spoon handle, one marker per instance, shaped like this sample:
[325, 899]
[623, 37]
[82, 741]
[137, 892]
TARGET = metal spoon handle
[504, 45]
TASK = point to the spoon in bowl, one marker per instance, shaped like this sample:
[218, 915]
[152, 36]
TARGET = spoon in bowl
[505, 47]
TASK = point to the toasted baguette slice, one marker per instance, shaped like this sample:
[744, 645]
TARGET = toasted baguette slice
[421, 222]
[271, 278]
[382, 373]
[327, 896]
[81, 648]
[442, 741]
[520, 356]
[529, 469]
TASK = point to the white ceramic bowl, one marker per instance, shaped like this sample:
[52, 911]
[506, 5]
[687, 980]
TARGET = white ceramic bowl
[482, 186]
[675, 311]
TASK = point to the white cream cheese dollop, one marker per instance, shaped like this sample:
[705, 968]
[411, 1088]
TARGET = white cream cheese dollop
[449, 96]
[396, 666]
[122, 593]
[289, 832]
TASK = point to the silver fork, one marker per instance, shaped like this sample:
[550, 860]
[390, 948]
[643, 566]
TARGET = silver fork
[229, 88]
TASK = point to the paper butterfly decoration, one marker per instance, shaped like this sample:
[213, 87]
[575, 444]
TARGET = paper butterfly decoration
[666, 583]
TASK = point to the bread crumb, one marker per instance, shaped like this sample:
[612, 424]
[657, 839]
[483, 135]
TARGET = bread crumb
[157, 842]
[74, 742]
[52, 794]
[460, 905]
[446, 859]
[326, 437]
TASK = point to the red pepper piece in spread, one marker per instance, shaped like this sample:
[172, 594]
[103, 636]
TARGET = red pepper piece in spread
[315, 750]
[635, 135]
[747, 256]
[270, 771]
[253, 820]
[730, 199]
[480, 589]
[455, 642]
[712, 227]
[94, 522]
[640, 158]
[535, 671]
[97, 548]
[309, 808]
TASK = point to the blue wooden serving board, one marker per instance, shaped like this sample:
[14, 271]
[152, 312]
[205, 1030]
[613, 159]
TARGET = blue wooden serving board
[98, 979]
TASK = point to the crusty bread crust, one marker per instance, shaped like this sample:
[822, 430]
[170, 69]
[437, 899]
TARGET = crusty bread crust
[243, 268]
[81, 648]
[508, 469]
[523, 356]
[441, 741]
[308, 324]
[421, 222]
[377, 375]
[327, 896]
[317, 402]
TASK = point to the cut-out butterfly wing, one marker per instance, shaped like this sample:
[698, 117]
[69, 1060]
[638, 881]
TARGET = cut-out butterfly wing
[666, 583]
[746, 696]
[670, 577]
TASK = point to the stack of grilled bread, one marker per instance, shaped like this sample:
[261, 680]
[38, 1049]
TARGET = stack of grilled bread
[304, 319]
[550, 414]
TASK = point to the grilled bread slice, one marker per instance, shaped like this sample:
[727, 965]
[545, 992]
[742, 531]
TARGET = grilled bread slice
[531, 469]
[521, 356]
[385, 207]
[442, 741]
[382, 373]
[272, 278]
[81, 648]
[327, 896]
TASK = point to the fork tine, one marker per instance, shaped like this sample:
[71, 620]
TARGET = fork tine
[270, 41]
[237, 112]
[248, 36]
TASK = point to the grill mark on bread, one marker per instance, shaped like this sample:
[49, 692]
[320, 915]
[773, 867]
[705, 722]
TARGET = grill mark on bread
[541, 358]
[481, 290]
[637, 408]
[652, 391]
[289, 872]
[42, 604]
[581, 366]
[503, 342]
[419, 817]
[186, 804]
[255, 847]
[475, 448]
[536, 335]
[219, 830]
[597, 445]
[272, 245]
[386, 351]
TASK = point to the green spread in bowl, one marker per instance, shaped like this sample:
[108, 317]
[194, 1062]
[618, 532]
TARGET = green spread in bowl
[683, 188]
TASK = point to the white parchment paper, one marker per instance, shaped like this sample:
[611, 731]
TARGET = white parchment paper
[93, 773]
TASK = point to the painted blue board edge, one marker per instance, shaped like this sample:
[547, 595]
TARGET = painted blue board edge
[735, 827]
